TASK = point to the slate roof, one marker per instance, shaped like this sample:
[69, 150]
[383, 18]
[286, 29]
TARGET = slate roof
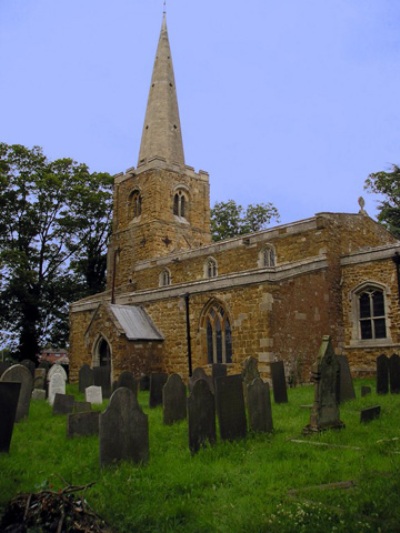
[136, 323]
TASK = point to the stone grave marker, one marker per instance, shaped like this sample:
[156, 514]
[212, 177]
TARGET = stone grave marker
[39, 378]
[218, 370]
[102, 378]
[365, 390]
[82, 407]
[85, 377]
[382, 374]
[394, 373]
[259, 406]
[56, 386]
[370, 413]
[9, 395]
[3, 367]
[38, 394]
[63, 404]
[56, 369]
[157, 382]
[94, 395]
[83, 424]
[230, 407]
[346, 387]
[30, 365]
[144, 382]
[123, 430]
[200, 373]
[279, 382]
[174, 400]
[201, 414]
[127, 379]
[325, 374]
[249, 374]
[20, 374]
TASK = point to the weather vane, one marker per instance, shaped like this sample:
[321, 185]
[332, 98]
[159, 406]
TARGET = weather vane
[165, 6]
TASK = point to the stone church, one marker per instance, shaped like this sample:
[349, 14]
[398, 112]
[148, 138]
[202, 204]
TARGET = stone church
[176, 301]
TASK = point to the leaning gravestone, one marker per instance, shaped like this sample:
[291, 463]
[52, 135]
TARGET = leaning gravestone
[63, 404]
[93, 394]
[56, 386]
[127, 379]
[394, 373]
[157, 382]
[259, 406]
[174, 400]
[230, 407]
[9, 394]
[382, 374]
[20, 374]
[325, 373]
[102, 378]
[201, 413]
[279, 382]
[346, 387]
[123, 430]
[370, 413]
[83, 424]
[85, 377]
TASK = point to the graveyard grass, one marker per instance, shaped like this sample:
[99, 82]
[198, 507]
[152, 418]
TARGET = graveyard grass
[344, 480]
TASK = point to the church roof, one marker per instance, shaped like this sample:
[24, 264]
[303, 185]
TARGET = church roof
[162, 136]
[136, 323]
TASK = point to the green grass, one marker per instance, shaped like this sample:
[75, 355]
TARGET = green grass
[264, 483]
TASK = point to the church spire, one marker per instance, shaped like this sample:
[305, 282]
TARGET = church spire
[162, 134]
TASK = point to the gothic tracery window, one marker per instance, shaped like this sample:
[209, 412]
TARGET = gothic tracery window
[372, 313]
[218, 333]
[268, 257]
[211, 268]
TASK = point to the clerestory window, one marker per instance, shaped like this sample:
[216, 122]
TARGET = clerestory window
[268, 257]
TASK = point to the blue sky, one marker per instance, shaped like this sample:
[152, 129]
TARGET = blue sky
[293, 102]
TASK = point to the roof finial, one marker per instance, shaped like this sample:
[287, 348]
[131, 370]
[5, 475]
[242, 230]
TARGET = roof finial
[165, 6]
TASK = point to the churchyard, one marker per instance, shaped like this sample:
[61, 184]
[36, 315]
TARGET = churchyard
[286, 477]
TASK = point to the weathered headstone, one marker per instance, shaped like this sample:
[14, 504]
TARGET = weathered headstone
[249, 374]
[38, 394]
[279, 386]
[56, 386]
[20, 374]
[83, 424]
[200, 373]
[63, 404]
[144, 382]
[57, 369]
[157, 382]
[394, 373]
[124, 430]
[382, 374]
[85, 377]
[201, 413]
[102, 378]
[174, 400]
[346, 387]
[230, 407]
[39, 378]
[370, 413]
[218, 370]
[9, 394]
[30, 365]
[82, 407]
[259, 406]
[365, 390]
[325, 374]
[94, 395]
[127, 379]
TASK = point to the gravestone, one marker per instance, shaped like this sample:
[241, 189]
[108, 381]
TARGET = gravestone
[230, 407]
[259, 406]
[382, 374]
[63, 404]
[325, 374]
[56, 386]
[9, 394]
[144, 383]
[279, 382]
[201, 413]
[127, 379]
[38, 394]
[45, 364]
[30, 365]
[249, 374]
[83, 424]
[370, 413]
[365, 390]
[157, 382]
[218, 370]
[20, 374]
[94, 395]
[39, 378]
[102, 378]
[85, 377]
[394, 373]
[346, 387]
[123, 430]
[174, 400]
[82, 407]
[57, 369]
[200, 373]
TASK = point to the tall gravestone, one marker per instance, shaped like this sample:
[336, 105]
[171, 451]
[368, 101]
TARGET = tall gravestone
[259, 406]
[230, 407]
[325, 375]
[218, 370]
[201, 414]
[85, 377]
[127, 379]
[102, 378]
[382, 374]
[346, 387]
[174, 400]
[9, 394]
[56, 386]
[279, 386]
[123, 430]
[249, 374]
[200, 373]
[157, 382]
[394, 373]
[20, 374]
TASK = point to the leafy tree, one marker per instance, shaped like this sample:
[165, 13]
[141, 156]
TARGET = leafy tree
[54, 227]
[387, 185]
[229, 219]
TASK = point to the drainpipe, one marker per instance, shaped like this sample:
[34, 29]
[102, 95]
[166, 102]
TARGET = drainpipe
[188, 340]
[396, 260]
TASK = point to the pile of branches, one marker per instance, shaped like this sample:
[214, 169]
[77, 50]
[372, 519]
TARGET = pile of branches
[49, 511]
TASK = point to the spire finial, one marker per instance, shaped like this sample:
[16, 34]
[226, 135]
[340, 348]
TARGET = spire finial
[165, 6]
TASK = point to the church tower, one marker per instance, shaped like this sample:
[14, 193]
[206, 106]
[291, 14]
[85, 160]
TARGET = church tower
[163, 205]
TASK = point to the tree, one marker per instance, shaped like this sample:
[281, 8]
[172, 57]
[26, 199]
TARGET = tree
[229, 219]
[387, 185]
[54, 227]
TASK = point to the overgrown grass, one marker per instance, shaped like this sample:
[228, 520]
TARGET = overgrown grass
[264, 483]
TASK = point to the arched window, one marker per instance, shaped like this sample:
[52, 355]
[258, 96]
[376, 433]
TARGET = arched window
[180, 204]
[371, 313]
[211, 268]
[102, 353]
[267, 257]
[135, 204]
[218, 333]
[165, 278]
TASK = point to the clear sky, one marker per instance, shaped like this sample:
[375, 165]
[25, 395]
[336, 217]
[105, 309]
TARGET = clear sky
[289, 101]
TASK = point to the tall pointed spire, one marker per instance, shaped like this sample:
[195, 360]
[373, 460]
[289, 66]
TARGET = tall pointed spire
[162, 134]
